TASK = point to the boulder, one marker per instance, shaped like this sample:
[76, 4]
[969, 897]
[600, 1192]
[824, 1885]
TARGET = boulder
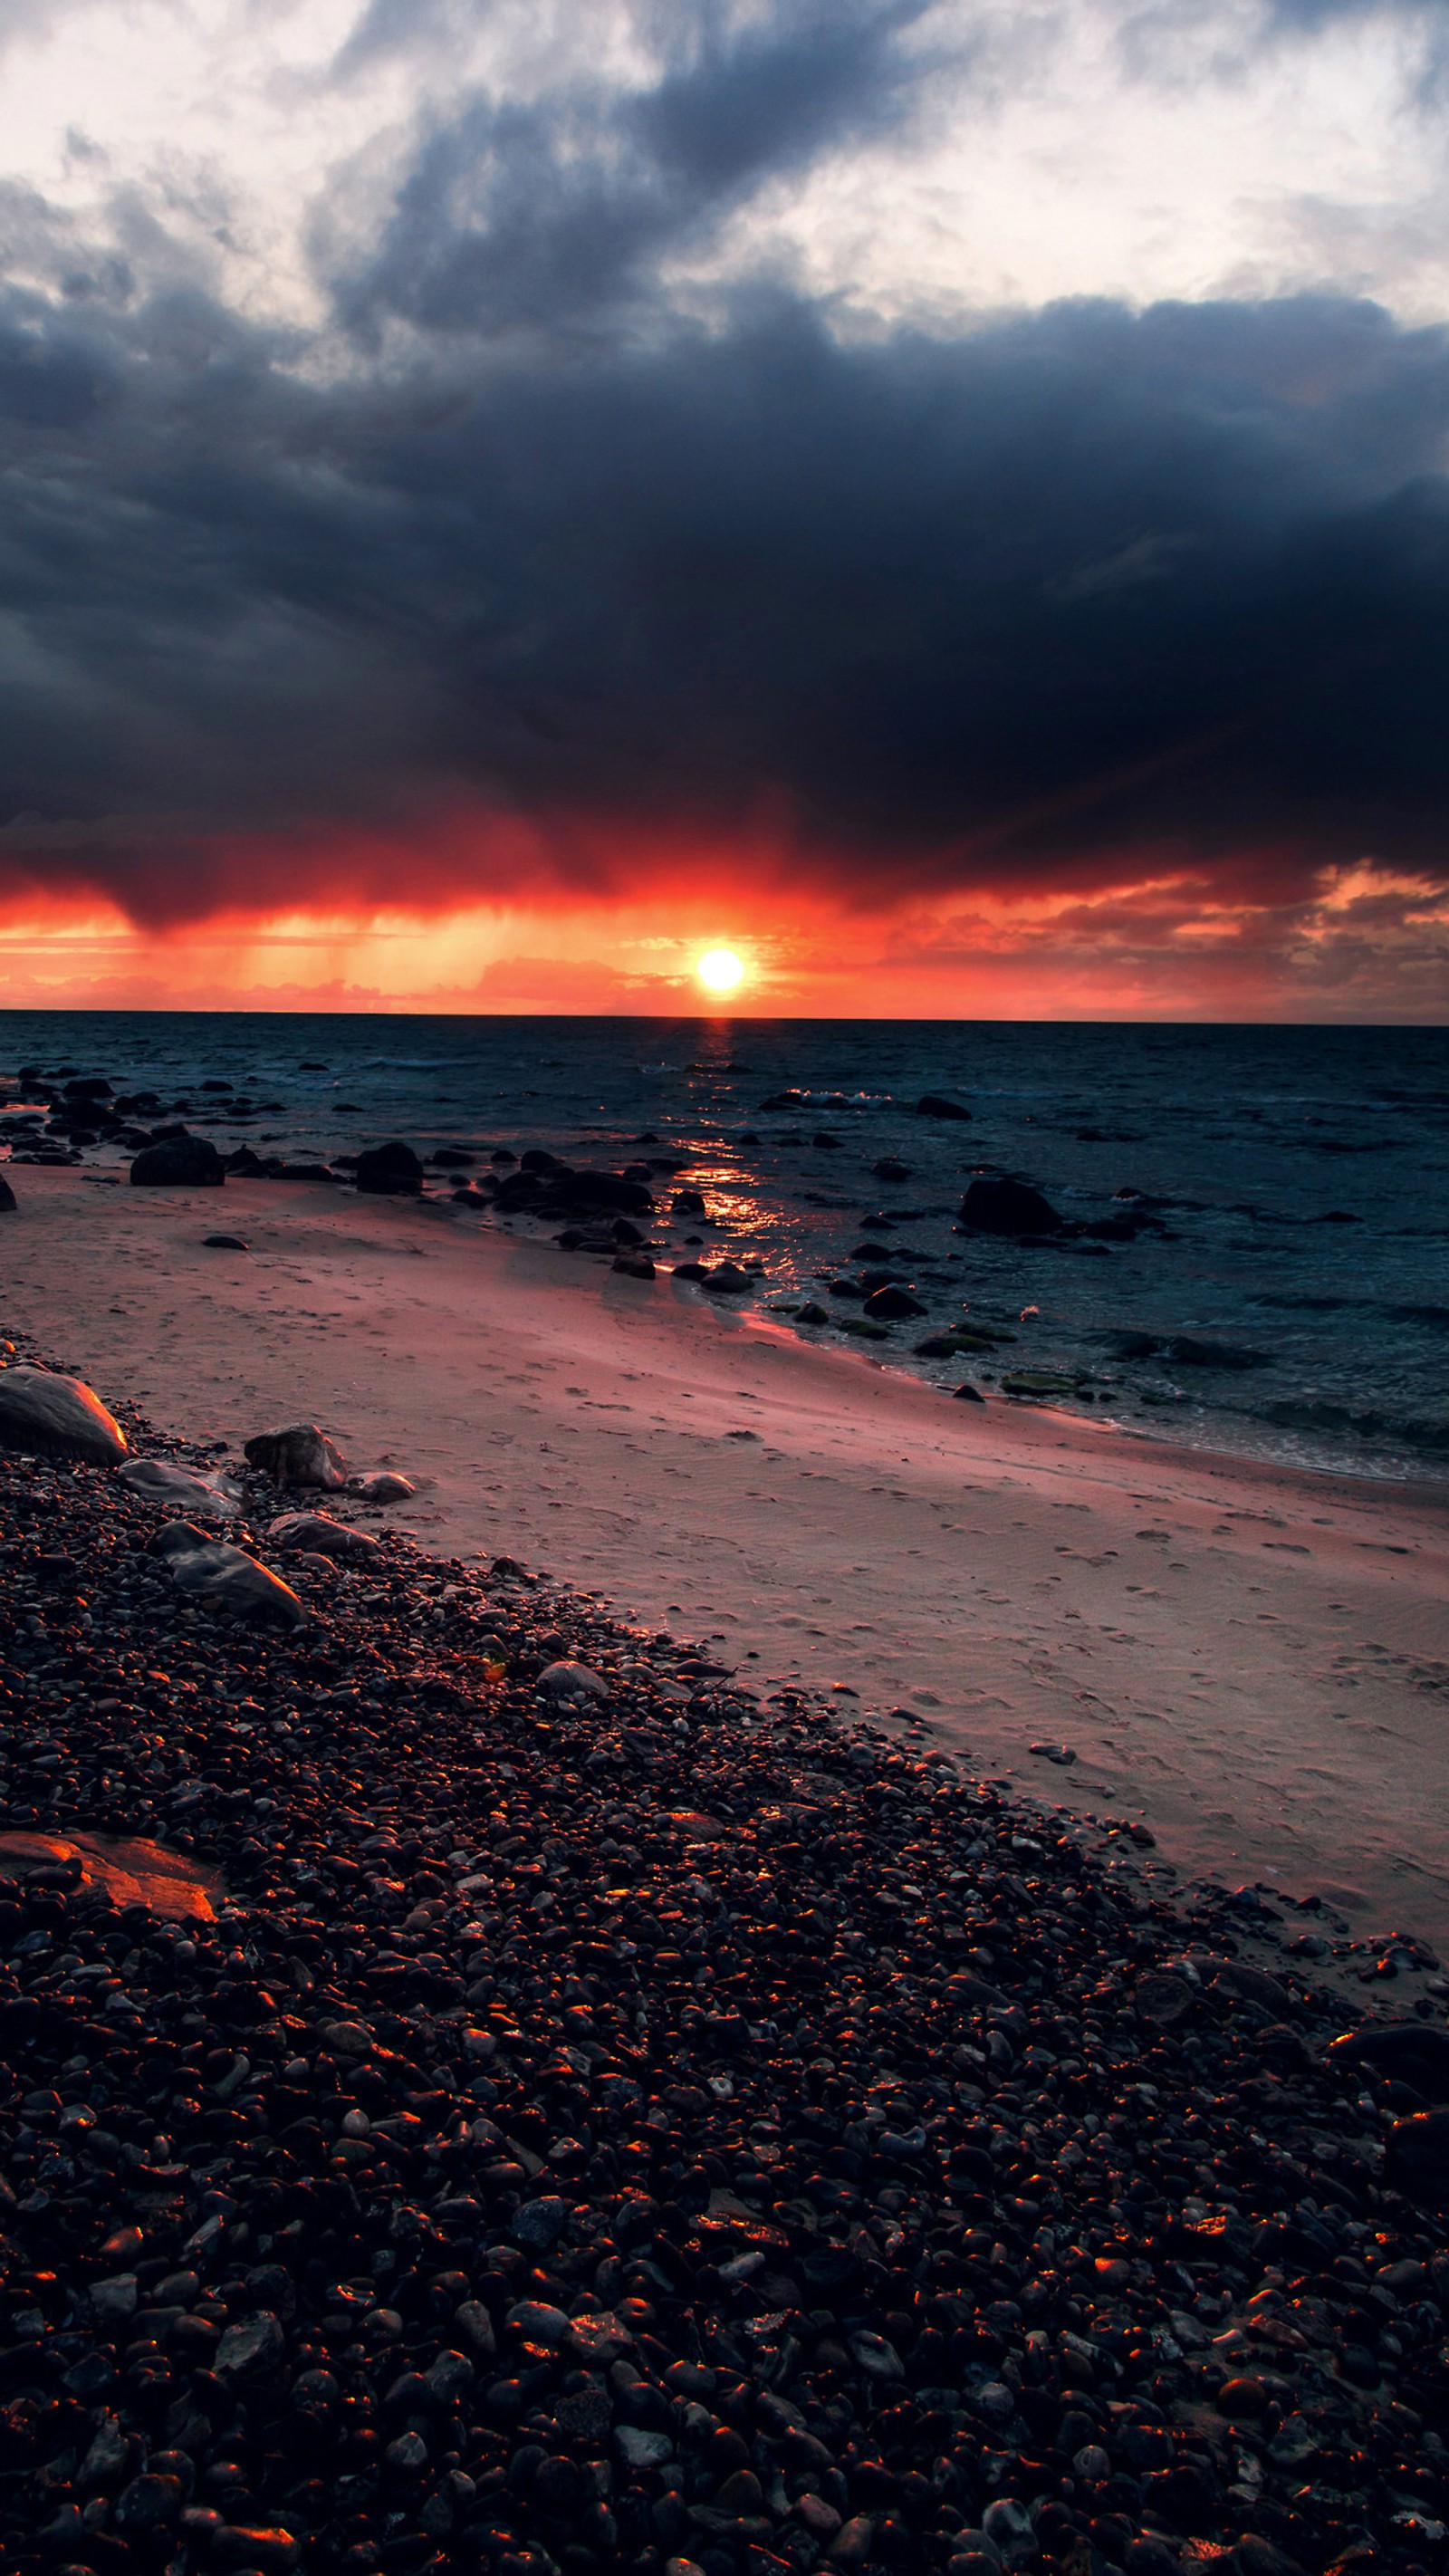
[727, 1280]
[389, 1171]
[932, 1104]
[181, 1163]
[299, 1455]
[1413, 2052]
[40, 1409]
[7, 1196]
[321, 1536]
[1008, 1207]
[225, 1243]
[891, 1168]
[382, 1485]
[211, 1570]
[208, 1497]
[892, 1305]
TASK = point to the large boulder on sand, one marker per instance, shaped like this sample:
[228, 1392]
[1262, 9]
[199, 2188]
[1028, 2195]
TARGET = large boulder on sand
[180, 1162]
[1008, 1207]
[7, 1196]
[389, 1171]
[321, 1536]
[299, 1455]
[40, 1409]
[211, 1570]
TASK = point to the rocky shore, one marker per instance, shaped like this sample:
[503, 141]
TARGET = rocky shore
[480, 2089]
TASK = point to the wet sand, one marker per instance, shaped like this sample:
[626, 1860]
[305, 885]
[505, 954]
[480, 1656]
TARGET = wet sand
[1251, 1661]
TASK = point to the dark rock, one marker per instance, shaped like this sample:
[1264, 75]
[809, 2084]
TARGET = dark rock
[932, 1104]
[181, 1162]
[1412, 2052]
[224, 1576]
[225, 1243]
[299, 1455]
[891, 1168]
[41, 1409]
[389, 1171]
[1417, 2157]
[966, 1393]
[1008, 1207]
[322, 1536]
[7, 1197]
[892, 1305]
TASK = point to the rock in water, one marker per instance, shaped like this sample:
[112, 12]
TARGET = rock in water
[323, 1537]
[225, 1576]
[382, 1485]
[40, 1409]
[214, 1497]
[389, 1171]
[1008, 1207]
[932, 1104]
[182, 1162]
[299, 1455]
[7, 1197]
[892, 1305]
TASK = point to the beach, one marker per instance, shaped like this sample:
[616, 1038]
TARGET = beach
[1248, 1662]
[488, 2081]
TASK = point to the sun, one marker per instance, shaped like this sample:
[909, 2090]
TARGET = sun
[720, 970]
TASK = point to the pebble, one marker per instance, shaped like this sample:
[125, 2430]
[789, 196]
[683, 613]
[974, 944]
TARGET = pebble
[574, 2137]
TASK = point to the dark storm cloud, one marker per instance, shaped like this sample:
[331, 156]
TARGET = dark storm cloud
[552, 213]
[1012, 606]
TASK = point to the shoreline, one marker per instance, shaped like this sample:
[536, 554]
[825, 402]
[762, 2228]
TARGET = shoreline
[1247, 1660]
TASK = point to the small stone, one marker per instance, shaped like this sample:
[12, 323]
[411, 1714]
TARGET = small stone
[225, 1243]
[641, 2449]
[1061, 1754]
[248, 2350]
[572, 1681]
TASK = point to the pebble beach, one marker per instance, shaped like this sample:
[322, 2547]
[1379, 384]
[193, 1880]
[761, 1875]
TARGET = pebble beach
[485, 2086]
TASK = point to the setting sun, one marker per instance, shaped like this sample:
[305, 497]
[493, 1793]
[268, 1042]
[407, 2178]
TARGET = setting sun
[719, 970]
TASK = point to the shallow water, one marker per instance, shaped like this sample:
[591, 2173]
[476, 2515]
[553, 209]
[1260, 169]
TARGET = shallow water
[1302, 1177]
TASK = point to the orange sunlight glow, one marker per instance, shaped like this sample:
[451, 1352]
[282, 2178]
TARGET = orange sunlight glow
[720, 970]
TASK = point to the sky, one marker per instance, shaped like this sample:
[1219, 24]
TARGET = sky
[499, 498]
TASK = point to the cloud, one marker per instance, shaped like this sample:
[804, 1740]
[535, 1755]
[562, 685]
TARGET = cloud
[530, 571]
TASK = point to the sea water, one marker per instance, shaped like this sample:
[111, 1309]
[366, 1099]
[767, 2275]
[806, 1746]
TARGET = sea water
[1298, 1179]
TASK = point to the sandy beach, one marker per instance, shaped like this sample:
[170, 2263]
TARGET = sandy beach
[1252, 1662]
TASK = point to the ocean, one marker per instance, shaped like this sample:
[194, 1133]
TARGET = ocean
[1272, 1274]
